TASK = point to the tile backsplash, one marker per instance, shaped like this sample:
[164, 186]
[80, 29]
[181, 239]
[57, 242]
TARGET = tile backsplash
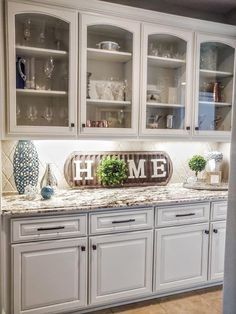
[56, 152]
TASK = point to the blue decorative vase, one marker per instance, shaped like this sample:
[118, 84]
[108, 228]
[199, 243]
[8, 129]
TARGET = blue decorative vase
[25, 165]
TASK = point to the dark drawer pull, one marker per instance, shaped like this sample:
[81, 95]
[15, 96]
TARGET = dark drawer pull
[123, 221]
[185, 215]
[51, 228]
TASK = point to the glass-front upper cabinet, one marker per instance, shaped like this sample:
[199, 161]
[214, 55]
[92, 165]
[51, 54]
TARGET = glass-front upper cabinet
[109, 60]
[166, 81]
[215, 85]
[42, 70]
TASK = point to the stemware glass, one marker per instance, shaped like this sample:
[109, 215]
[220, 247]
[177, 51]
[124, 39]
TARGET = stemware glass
[42, 34]
[18, 112]
[116, 90]
[48, 70]
[48, 114]
[58, 36]
[32, 113]
[27, 31]
[121, 117]
[125, 89]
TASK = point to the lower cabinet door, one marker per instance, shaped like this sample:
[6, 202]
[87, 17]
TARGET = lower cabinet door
[181, 256]
[121, 266]
[49, 277]
[217, 253]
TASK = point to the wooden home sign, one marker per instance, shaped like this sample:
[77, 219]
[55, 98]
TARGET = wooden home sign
[144, 168]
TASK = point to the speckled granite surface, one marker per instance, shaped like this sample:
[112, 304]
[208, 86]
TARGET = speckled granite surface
[91, 199]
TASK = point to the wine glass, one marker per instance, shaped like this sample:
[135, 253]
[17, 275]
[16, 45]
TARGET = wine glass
[18, 112]
[48, 70]
[125, 89]
[32, 113]
[42, 36]
[58, 36]
[115, 90]
[48, 114]
[121, 117]
[27, 31]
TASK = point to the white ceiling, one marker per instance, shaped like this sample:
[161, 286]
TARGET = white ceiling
[216, 6]
[214, 10]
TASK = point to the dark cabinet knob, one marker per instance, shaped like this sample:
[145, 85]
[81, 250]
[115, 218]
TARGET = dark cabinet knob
[196, 128]
[83, 125]
[83, 248]
[206, 231]
[188, 128]
[215, 230]
[72, 125]
[94, 247]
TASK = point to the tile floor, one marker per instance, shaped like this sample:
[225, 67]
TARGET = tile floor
[207, 301]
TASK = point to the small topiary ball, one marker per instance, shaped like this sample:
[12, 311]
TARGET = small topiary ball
[47, 192]
[197, 163]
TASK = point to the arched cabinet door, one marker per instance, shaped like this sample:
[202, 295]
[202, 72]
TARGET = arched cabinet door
[166, 81]
[42, 67]
[109, 73]
[214, 93]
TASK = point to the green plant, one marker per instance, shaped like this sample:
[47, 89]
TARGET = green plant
[112, 171]
[197, 163]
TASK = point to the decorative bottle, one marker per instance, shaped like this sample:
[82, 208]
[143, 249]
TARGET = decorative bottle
[49, 179]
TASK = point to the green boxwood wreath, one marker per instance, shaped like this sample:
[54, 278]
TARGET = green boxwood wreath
[112, 171]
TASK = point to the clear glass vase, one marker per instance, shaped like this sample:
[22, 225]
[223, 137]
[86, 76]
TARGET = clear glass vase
[49, 178]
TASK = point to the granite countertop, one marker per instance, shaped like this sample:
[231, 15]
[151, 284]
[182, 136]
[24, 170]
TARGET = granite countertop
[91, 199]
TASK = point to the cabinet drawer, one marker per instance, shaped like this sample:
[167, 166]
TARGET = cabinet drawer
[47, 228]
[121, 221]
[219, 210]
[182, 214]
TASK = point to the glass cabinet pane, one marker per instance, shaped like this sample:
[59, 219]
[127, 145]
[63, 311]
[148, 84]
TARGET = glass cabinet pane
[215, 86]
[41, 48]
[166, 82]
[109, 77]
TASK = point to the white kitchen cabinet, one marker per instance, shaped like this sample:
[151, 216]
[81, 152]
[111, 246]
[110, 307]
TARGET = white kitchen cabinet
[214, 85]
[181, 256]
[219, 210]
[109, 86]
[217, 250]
[166, 80]
[121, 266]
[42, 68]
[49, 277]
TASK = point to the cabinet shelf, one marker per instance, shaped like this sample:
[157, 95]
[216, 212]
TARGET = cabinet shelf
[107, 55]
[213, 74]
[102, 102]
[164, 105]
[39, 52]
[37, 92]
[214, 103]
[165, 62]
